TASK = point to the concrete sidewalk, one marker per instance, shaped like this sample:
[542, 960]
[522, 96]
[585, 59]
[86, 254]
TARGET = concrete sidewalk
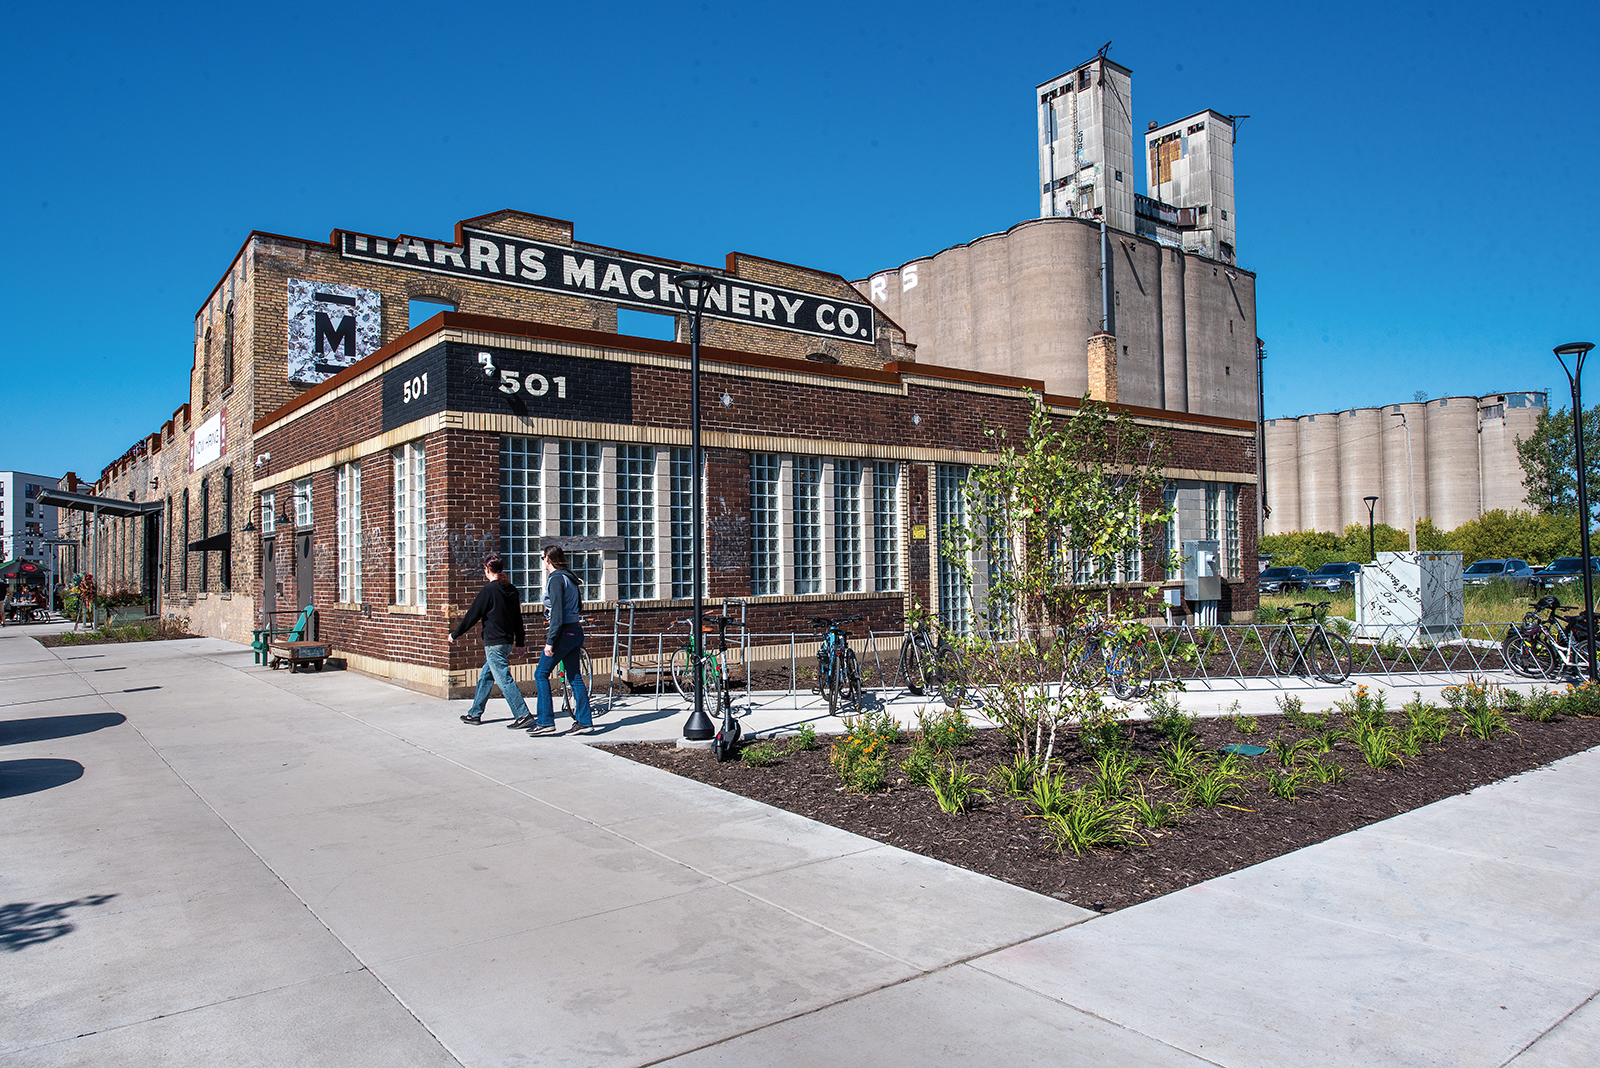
[208, 863]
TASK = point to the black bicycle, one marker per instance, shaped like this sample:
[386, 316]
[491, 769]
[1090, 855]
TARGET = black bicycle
[713, 662]
[931, 666]
[1303, 645]
[838, 677]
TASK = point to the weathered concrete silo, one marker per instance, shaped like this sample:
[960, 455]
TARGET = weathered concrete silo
[1175, 336]
[1453, 493]
[1503, 418]
[1053, 299]
[1283, 476]
[1395, 506]
[1319, 472]
[1360, 463]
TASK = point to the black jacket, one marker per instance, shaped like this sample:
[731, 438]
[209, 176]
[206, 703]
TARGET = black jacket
[499, 605]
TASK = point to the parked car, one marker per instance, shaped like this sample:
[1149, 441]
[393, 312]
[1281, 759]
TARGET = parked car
[1335, 577]
[1276, 579]
[1516, 572]
[1564, 571]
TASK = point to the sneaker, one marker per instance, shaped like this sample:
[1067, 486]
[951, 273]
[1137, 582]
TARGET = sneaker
[521, 723]
[582, 728]
[541, 728]
[474, 720]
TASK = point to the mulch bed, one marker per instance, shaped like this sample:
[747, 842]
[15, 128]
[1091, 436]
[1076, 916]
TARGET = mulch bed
[996, 838]
[57, 641]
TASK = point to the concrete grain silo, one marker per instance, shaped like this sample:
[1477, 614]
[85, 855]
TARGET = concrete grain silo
[1283, 475]
[1360, 463]
[1319, 472]
[1054, 303]
[1502, 419]
[1453, 493]
[1395, 507]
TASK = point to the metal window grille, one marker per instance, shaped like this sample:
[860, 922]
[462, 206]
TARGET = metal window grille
[349, 505]
[1230, 530]
[886, 526]
[410, 525]
[521, 483]
[681, 488]
[580, 506]
[847, 526]
[955, 597]
[636, 522]
[807, 534]
[764, 523]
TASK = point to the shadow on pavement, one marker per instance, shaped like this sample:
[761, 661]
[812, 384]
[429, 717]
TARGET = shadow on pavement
[24, 924]
[19, 777]
[43, 728]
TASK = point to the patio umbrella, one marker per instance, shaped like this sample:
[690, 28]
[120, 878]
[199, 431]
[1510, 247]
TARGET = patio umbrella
[20, 570]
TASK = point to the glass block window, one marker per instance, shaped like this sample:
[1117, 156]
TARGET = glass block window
[764, 562]
[1130, 563]
[636, 522]
[302, 503]
[1230, 531]
[886, 525]
[1173, 564]
[349, 508]
[410, 525]
[580, 508]
[847, 526]
[955, 598]
[807, 534]
[521, 483]
[681, 488]
[1213, 517]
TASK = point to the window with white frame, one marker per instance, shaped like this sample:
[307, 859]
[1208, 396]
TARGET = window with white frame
[349, 509]
[886, 525]
[1130, 562]
[764, 554]
[410, 525]
[806, 535]
[847, 526]
[521, 480]
[579, 474]
[636, 522]
[269, 512]
[680, 485]
[955, 596]
[302, 503]
[1230, 531]
[1172, 562]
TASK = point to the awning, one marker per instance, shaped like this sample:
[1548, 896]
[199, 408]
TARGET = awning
[20, 570]
[87, 502]
[215, 544]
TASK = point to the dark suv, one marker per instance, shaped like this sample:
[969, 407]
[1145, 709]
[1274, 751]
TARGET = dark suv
[1335, 577]
[1565, 570]
[1275, 579]
[1516, 572]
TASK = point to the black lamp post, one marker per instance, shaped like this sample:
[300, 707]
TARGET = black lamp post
[1578, 350]
[1372, 545]
[699, 727]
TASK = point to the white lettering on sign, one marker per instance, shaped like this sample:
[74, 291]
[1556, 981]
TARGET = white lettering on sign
[880, 288]
[417, 388]
[572, 274]
[484, 254]
[533, 264]
[908, 279]
[828, 323]
[207, 443]
[536, 384]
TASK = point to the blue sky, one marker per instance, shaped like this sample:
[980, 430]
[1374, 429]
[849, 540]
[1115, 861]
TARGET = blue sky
[1413, 183]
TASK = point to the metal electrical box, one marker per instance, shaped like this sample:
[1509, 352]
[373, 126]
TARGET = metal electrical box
[1202, 579]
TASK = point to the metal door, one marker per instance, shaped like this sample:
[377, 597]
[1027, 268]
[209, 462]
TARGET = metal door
[269, 579]
[302, 569]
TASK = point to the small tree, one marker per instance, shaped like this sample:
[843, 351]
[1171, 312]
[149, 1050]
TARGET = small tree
[1059, 524]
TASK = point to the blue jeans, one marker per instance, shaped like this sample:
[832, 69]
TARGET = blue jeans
[568, 641]
[497, 668]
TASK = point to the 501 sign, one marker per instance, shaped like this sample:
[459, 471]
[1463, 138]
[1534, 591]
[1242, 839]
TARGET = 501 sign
[415, 388]
[462, 378]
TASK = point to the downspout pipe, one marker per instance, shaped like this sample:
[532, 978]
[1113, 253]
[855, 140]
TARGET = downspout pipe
[1105, 278]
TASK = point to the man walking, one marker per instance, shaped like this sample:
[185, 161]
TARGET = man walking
[499, 607]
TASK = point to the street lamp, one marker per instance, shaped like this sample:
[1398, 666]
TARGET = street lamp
[1372, 551]
[699, 727]
[1413, 467]
[1578, 350]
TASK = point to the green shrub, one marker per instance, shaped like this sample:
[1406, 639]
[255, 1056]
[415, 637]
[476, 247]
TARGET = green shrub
[1364, 708]
[954, 788]
[1170, 721]
[1582, 700]
[1543, 707]
[861, 755]
[919, 765]
[804, 739]
[1115, 773]
[1153, 813]
[1324, 771]
[1427, 722]
[759, 755]
[1246, 724]
[1285, 784]
[945, 729]
[1049, 795]
[1379, 746]
[1016, 778]
[1179, 760]
[1091, 823]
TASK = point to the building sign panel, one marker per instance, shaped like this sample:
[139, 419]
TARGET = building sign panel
[208, 443]
[331, 326]
[647, 284]
[459, 377]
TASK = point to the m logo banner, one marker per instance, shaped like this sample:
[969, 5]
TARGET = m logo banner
[647, 284]
[331, 326]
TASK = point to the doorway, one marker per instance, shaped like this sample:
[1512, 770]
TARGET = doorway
[269, 580]
[302, 569]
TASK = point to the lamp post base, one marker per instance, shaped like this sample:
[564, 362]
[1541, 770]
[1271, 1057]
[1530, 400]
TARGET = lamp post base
[699, 728]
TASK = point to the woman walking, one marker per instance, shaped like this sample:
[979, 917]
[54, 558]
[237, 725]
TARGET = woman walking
[563, 606]
[499, 607]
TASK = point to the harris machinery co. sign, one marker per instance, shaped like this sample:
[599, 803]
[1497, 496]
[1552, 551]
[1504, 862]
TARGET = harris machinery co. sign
[516, 261]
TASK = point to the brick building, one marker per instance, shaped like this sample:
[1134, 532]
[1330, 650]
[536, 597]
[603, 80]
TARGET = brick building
[333, 454]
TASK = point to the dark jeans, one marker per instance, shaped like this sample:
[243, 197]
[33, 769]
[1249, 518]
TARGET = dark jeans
[568, 641]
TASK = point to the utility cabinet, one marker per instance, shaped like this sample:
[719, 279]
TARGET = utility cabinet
[1410, 595]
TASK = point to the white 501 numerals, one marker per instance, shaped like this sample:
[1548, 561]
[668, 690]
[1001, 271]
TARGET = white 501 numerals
[416, 389]
[536, 385]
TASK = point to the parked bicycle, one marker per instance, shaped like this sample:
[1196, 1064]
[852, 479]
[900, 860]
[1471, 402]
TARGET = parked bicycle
[1099, 652]
[838, 678]
[930, 665]
[713, 663]
[1304, 645]
[1547, 647]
